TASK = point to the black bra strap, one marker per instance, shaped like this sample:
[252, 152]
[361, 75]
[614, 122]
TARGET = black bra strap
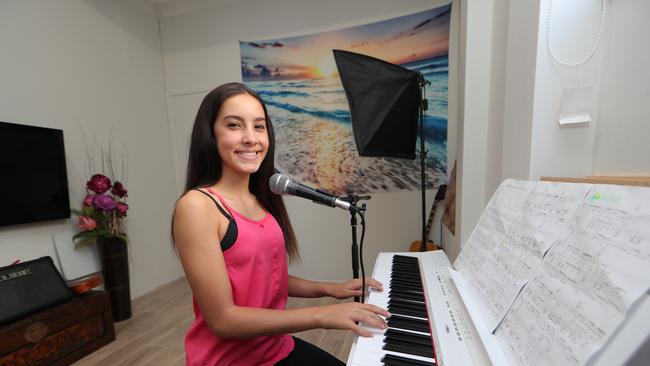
[223, 211]
[230, 237]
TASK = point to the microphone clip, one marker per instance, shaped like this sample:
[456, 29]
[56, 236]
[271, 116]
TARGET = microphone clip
[353, 199]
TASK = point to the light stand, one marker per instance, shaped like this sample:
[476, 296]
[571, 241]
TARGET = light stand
[387, 104]
[424, 105]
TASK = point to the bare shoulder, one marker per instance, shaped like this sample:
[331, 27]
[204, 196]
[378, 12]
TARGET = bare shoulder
[191, 202]
[194, 214]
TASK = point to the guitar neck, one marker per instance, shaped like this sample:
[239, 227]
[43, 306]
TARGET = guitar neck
[440, 195]
[427, 229]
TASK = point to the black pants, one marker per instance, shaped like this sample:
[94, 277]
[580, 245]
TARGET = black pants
[305, 353]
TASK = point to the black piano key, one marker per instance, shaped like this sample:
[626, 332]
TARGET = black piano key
[402, 280]
[415, 305]
[408, 348]
[411, 268]
[396, 309]
[406, 272]
[409, 292]
[394, 360]
[405, 277]
[413, 302]
[401, 322]
[406, 295]
[405, 286]
[405, 259]
[406, 269]
[409, 337]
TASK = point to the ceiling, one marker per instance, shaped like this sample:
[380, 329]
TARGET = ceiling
[169, 8]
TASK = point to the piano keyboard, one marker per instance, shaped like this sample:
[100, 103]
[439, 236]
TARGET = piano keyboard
[407, 340]
[428, 325]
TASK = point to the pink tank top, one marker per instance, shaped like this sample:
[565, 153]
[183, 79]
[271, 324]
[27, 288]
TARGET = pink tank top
[257, 268]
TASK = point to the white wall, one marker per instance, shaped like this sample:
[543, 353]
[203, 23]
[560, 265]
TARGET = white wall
[201, 51]
[621, 141]
[615, 141]
[98, 63]
[521, 55]
[483, 27]
[565, 150]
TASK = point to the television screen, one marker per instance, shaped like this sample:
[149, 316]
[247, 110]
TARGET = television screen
[33, 179]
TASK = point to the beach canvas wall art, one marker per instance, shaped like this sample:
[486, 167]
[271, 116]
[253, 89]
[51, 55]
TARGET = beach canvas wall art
[298, 80]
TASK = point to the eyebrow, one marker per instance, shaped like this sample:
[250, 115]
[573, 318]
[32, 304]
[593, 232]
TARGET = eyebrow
[230, 116]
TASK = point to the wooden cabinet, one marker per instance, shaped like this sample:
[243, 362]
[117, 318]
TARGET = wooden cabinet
[59, 335]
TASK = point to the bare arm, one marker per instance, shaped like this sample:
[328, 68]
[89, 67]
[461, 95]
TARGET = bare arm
[299, 287]
[197, 225]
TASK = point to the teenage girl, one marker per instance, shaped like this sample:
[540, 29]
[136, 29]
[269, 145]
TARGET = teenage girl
[234, 239]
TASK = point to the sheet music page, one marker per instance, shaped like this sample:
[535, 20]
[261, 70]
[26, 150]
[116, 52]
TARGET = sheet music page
[589, 279]
[516, 229]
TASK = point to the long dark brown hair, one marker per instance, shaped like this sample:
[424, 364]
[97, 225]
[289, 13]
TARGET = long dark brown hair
[204, 163]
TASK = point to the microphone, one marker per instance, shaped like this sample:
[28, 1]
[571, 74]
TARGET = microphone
[281, 184]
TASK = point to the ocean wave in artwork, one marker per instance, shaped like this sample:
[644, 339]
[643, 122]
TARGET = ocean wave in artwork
[322, 153]
[315, 143]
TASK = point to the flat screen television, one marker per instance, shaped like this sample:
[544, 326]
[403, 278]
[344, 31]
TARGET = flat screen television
[33, 178]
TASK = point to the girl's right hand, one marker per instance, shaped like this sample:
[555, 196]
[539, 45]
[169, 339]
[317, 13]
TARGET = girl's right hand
[345, 316]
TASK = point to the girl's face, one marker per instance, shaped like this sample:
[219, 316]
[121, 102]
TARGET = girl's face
[241, 135]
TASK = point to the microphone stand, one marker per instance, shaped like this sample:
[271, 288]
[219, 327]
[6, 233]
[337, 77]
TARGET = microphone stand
[353, 199]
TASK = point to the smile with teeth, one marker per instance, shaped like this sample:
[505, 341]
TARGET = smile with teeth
[247, 155]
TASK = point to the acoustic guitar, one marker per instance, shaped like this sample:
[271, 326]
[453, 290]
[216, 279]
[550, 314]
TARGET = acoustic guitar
[417, 245]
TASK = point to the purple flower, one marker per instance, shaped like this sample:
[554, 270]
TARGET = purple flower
[99, 183]
[118, 189]
[122, 207]
[104, 202]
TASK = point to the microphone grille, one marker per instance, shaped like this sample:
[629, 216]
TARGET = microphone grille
[279, 183]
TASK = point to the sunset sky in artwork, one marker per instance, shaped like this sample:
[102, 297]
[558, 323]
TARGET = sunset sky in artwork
[399, 41]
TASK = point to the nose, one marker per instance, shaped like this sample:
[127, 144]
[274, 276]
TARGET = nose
[249, 137]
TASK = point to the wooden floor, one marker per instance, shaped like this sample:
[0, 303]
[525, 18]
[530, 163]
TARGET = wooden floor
[155, 333]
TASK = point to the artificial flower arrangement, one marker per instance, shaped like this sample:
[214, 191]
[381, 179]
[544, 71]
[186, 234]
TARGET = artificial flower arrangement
[103, 211]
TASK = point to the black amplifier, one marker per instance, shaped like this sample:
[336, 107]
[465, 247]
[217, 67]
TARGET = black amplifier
[28, 287]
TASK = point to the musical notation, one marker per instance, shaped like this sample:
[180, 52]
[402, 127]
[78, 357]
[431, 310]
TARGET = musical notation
[596, 270]
[518, 226]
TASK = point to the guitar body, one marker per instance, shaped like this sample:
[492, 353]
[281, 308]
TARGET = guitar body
[416, 247]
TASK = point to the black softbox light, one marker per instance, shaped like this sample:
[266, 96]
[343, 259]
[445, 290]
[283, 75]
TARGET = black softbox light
[384, 102]
[387, 107]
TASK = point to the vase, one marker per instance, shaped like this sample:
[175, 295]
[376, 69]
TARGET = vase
[113, 254]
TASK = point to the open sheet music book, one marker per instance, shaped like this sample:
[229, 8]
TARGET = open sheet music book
[553, 269]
